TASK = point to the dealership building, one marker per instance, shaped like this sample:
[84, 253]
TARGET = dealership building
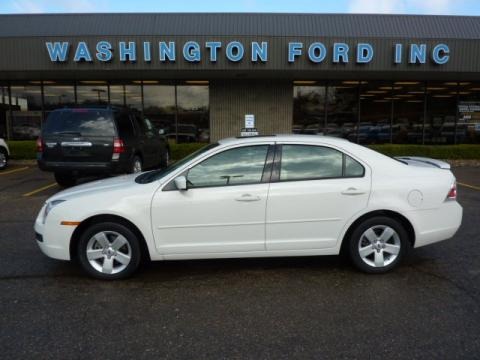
[202, 77]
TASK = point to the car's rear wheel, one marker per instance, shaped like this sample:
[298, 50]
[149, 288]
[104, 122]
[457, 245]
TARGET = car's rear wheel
[65, 179]
[109, 251]
[378, 244]
[3, 159]
[137, 165]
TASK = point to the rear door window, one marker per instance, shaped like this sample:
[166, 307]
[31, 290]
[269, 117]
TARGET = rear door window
[80, 122]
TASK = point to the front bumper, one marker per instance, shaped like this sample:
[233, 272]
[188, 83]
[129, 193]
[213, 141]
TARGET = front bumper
[55, 237]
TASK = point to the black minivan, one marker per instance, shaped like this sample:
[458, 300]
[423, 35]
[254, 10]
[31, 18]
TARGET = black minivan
[78, 142]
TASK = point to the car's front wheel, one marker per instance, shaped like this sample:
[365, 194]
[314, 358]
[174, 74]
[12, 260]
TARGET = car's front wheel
[109, 251]
[378, 244]
[3, 159]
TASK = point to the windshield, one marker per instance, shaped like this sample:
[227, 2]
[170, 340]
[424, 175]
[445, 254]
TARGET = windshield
[151, 176]
[81, 122]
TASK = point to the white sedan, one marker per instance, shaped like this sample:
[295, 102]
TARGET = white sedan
[292, 195]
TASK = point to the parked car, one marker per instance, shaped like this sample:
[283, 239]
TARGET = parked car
[92, 141]
[4, 154]
[297, 195]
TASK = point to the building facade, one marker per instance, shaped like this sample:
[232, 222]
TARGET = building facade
[368, 78]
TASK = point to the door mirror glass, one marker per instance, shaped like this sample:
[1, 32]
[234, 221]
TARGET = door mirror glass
[180, 182]
[161, 132]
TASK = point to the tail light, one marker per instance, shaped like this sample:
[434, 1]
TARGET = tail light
[39, 145]
[118, 148]
[452, 194]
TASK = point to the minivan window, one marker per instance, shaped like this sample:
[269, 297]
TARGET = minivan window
[238, 166]
[81, 122]
[303, 162]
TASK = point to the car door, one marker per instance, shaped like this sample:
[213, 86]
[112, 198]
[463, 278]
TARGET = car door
[315, 190]
[223, 210]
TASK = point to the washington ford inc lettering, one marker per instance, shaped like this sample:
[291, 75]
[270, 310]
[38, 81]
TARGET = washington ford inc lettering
[235, 51]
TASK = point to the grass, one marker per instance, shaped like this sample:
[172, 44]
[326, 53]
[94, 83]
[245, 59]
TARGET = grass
[25, 149]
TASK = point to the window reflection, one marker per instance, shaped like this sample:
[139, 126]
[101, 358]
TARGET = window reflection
[26, 115]
[342, 106]
[4, 109]
[92, 93]
[57, 95]
[376, 100]
[441, 112]
[468, 125]
[308, 109]
[301, 162]
[193, 115]
[408, 112]
[238, 166]
[159, 107]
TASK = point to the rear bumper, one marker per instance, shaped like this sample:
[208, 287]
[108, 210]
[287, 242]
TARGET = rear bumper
[82, 167]
[434, 225]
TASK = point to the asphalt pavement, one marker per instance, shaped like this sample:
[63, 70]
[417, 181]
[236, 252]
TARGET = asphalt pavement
[302, 307]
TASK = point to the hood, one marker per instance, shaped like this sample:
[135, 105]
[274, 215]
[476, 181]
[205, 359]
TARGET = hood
[118, 182]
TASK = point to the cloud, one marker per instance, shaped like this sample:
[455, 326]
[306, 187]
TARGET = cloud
[402, 6]
[27, 6]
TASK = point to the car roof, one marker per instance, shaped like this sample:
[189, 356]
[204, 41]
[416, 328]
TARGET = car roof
[320, 139]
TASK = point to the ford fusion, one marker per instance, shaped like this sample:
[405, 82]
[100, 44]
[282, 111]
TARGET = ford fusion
[293, 195]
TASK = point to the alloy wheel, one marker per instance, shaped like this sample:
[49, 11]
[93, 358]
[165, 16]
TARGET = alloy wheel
[109, 252]
[379, 246]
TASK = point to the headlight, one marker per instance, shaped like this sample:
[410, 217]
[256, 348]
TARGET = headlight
[48, 207]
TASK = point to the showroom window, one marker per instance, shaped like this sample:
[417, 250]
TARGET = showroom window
[92, 92]
[4, 109]
[309, 109]
[193, 114]
[441, 100]
[159, 107]
[376, 104]
[468, 124]
[57, 95]
[342, 109]
[26, 111]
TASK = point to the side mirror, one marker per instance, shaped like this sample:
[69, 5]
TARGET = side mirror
[161, 132]
[180, 182]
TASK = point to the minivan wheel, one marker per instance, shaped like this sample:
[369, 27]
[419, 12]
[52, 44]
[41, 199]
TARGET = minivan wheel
[65, 179]
[136, 165]
[109, 251]
[378, 244]
[3, 159]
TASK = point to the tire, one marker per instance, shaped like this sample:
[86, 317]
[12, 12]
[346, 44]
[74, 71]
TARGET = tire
[114, 249]
[65, 179]
[136, 165]
[165, 158]
[3, 159]
[382, 251]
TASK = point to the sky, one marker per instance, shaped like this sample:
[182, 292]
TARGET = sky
[433, 7]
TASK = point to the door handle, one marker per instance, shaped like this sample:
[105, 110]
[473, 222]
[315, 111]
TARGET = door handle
[248, 198]
[353, 191]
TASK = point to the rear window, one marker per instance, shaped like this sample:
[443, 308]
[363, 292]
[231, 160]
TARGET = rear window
[82, 122]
